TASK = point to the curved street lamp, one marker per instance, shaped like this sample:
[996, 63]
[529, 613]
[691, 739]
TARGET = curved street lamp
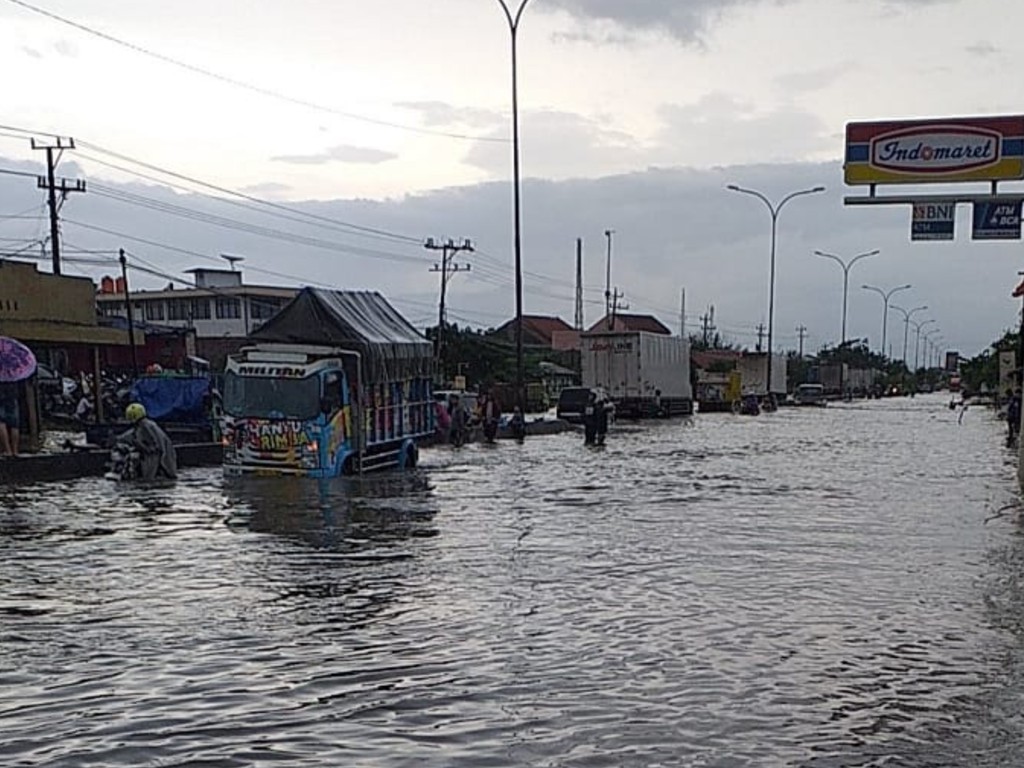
[917, 341]
[513, 28]
[907, 314]
[846, 265]
[774, 210]
[885, 306]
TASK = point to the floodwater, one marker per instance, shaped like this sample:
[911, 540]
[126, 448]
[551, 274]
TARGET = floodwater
[814, 587]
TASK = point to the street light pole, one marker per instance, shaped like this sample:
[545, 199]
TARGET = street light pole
[907, 314]
[846, 265]
[513, 28]
[885, 305]
[928, 345]
[774, 211]
[917, 340]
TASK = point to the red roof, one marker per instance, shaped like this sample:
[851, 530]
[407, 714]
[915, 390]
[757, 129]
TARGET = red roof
[705, 358]
[537, 329]
[624, 322]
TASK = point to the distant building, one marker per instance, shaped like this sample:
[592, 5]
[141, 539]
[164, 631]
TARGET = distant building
[221, 309]
[55, 315]
[542, 331]
[627, 322]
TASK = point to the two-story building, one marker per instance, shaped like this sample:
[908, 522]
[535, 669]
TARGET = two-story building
[220, 308]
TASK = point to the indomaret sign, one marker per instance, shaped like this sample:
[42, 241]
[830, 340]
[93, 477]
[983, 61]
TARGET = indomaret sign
[940, 150]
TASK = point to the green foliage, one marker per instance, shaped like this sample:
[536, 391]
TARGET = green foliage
[982, 371]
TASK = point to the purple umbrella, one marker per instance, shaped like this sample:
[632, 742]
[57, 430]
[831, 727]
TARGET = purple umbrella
[16, 360]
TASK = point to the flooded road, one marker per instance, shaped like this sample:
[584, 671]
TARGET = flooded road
[815, 587]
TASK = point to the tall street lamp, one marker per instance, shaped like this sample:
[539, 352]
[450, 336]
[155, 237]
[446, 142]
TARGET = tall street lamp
[513, 28]
[774, 210]
[928, 346]
[917, 340]
[846, 265]
[907, 314]
[885, 305]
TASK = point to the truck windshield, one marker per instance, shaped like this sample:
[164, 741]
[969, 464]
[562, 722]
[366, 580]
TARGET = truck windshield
[268, 398]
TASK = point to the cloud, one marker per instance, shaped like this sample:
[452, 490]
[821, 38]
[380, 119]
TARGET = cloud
[814, 79]
[982, 48]
[714, 130]
[341, 153]
[268, 189]
[685, 20]
[675, 227]
[66, 48]
[441, 114]
[564, 144]
[31, 52]
[720, 129]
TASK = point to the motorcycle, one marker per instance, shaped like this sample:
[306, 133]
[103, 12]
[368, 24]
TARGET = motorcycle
[125, 463]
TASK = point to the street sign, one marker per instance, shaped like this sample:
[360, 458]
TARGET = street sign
[933, 221]
[996, 221]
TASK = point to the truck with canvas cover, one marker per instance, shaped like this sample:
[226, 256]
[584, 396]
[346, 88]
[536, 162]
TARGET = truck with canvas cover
[337, 382]
[645, 374]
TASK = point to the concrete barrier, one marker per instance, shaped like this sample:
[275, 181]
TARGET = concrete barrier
[41, 467]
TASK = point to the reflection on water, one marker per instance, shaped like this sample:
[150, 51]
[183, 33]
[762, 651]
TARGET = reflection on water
[353, 513]
[808, 588]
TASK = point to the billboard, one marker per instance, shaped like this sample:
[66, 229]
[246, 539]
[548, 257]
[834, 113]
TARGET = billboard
[952, 362]
[936, 150]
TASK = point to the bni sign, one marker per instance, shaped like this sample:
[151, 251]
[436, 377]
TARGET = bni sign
[933, 221]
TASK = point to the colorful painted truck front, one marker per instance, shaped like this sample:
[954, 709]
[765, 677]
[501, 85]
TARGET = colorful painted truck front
[360, 402]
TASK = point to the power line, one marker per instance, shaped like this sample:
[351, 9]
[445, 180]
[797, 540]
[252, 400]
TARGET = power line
[245, 85]
[311, 217]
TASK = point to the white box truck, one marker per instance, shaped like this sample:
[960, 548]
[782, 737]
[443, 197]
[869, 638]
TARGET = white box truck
[752, 367]
[645, 374]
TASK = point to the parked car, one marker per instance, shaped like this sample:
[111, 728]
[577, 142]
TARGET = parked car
[572, 401]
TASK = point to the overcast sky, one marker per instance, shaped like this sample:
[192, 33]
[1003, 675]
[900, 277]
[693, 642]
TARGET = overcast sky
[395, 115]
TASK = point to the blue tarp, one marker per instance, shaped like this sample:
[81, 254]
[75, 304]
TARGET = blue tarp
[172, 398]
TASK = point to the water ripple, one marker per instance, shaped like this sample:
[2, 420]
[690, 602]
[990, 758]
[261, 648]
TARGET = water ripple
[815, 587]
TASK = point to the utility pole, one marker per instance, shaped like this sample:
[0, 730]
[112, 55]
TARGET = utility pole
[608, 282]
[760, 335]
[131, 321]
[682, 313]
[616, 306]
[578, 322]
[801, 331]
[65, 187]
[447, 267]
[707, 322]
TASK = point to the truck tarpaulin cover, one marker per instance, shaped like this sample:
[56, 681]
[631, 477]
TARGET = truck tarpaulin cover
[172, 398]
[361, 321]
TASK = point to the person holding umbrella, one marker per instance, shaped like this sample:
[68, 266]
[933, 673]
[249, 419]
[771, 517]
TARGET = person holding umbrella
[17, 363]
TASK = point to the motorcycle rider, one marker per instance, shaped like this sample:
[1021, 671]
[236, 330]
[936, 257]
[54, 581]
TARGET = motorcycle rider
[157, 457]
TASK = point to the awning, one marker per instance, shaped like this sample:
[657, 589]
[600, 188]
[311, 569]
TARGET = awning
[49, 332]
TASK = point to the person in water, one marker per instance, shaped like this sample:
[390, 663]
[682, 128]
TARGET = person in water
[157, 457]
[459, 421]
[489, 414]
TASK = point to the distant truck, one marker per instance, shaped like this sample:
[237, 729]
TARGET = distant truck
[645, 374]
[753, 366]
[337, 383]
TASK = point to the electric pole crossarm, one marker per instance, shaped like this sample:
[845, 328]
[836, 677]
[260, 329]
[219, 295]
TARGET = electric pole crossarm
[50, 184]
[446, 268]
